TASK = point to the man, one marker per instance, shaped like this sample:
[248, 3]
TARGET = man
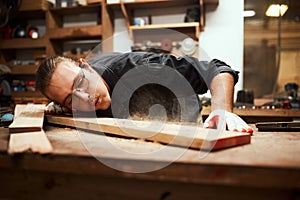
[122, 85]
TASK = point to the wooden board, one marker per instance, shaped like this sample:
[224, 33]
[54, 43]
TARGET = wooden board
[36, 142]
[27, 118]
[26, 131]
[167, 133]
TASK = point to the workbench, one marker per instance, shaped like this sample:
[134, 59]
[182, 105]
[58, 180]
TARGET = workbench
[250, 115]
[268, 168]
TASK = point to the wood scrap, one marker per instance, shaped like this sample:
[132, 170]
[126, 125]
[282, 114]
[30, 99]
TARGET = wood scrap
[27, 118]
[168, 133]
[36, 142]
[26, 131]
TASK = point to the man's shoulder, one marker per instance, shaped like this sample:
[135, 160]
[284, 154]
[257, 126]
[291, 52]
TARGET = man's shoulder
[93, 59]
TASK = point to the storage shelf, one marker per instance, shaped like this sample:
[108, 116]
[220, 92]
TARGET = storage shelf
[26, 94]
[34, 14]
[23, 43]
[173, 26]
[57, 40]
[75, 32]
[24, 69]
[190, 29]
[21, 100]
[161, 3]
[38, 5]
[74, 10]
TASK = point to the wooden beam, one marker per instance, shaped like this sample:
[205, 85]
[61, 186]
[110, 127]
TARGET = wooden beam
[168, 133]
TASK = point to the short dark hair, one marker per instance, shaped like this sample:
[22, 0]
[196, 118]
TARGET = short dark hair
[46, 69]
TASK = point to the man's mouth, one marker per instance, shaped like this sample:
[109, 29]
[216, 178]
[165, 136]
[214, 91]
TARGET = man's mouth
[97, 100]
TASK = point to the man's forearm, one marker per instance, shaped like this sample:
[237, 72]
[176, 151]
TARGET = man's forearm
[222, 89]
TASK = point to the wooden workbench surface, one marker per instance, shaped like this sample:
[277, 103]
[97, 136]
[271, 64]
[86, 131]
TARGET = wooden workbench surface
[270, 158]
[262, 115]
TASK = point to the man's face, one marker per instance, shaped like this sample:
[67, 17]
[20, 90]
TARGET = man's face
[78, 88]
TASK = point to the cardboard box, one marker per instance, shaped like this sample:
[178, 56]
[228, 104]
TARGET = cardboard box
[31, 5]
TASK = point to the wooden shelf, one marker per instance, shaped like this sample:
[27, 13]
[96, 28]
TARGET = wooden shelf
[74, 10]
[21, 100]
[35, 14]
[24, 69]
[75, 32]
[190, 29]
[172, 26]
[23, 43]
[28, 96]
[161, 3]
[28, 5]
[57, 39]
[25, 94]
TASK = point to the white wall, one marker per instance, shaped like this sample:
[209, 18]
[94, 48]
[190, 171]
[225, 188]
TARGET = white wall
[223, 37]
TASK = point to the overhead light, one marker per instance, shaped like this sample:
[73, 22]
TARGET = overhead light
[276, 10]
[249, 13]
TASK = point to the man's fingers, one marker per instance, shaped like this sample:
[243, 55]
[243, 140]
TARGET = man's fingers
[231, 121]
[208, 124]
[212, 122]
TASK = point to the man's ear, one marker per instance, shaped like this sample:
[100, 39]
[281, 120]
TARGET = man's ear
[82, 60]
[83, 63]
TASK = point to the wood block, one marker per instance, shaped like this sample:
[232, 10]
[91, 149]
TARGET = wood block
[27, 118]
[167, 133]
[36, 142]
[26, 130]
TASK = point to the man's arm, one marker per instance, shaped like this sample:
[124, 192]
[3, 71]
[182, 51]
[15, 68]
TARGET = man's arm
[222, 88]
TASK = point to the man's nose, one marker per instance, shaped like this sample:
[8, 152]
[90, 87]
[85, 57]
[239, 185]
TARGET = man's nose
[82, 96]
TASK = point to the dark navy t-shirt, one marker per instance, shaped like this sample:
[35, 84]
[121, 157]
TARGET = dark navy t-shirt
[139, 80]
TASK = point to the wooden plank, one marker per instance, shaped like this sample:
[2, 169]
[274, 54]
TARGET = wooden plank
[36, 142]
[25, 94]
[27, 118]
[75, 32]
[23, 43]
[76, 10]
[167, 133]
[26, 130]
[24, 69]
[157, 26]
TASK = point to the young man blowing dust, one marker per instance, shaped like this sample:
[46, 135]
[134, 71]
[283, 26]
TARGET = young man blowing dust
[120, 85]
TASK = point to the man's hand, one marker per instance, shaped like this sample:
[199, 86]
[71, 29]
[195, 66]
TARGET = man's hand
[226, 120]
[56, 109]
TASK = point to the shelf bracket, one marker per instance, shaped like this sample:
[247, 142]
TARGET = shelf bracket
[127, 20]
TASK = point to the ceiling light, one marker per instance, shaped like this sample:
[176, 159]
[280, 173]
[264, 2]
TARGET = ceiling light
[275, 9]
[249, 13]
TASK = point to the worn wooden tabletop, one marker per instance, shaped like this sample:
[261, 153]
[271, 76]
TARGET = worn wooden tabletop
[270, 158]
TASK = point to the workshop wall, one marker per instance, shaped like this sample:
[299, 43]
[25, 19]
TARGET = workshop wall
[223, 30]
[224, 34]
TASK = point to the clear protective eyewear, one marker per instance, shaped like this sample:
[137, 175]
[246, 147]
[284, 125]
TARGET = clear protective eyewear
[80, 90]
